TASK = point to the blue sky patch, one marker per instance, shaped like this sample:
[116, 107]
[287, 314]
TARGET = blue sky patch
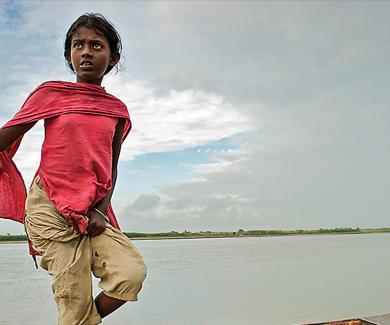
[14, 12]
[148, 172]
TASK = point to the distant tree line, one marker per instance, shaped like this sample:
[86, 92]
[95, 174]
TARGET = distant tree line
[226, 234]
[9, 237]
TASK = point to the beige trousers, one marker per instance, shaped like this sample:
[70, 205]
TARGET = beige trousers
[71, 258]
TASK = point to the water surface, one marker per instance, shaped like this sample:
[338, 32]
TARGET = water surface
[235, 281]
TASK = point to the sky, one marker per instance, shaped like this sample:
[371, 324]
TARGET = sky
[246, 115]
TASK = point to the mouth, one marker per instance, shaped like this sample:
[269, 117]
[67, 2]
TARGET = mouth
[86, 64]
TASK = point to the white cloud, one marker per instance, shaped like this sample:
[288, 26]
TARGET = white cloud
[176, 121]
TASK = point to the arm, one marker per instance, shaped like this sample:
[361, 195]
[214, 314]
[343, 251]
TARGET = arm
[10, 134]
[96, 223]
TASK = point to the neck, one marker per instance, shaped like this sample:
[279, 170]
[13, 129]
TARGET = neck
[97, 82]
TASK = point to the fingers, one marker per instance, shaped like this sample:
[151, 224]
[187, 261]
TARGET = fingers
[96, 231]
[96, 225]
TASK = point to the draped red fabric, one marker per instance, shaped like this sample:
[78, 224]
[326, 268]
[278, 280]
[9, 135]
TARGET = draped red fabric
[51, 99]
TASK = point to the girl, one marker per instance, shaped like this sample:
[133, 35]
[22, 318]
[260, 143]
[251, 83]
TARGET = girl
[67, 211]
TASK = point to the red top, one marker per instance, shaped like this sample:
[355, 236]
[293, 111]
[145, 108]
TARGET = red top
[76, 162]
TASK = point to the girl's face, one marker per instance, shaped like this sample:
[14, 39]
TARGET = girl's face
[90, 55]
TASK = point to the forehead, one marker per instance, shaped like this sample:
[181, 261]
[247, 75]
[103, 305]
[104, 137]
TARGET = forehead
[88, 33]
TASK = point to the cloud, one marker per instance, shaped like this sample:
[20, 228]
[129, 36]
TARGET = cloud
[176, 121]
[146, 203]
[201, 212]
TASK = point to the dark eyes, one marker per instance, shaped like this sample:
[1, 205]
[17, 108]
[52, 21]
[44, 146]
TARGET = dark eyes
[96, 46]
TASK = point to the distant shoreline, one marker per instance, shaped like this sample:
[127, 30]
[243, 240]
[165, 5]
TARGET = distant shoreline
[9, 239]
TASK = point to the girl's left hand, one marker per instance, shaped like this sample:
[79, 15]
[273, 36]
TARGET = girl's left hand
[96, 223]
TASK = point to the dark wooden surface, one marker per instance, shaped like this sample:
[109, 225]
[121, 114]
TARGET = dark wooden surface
[379, 320]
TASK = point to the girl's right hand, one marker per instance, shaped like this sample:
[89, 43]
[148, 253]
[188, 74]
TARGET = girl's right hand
[96, 223]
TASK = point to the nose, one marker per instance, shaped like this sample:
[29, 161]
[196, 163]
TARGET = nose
[87, 51]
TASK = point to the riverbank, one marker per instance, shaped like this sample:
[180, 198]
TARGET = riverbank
[8, 238]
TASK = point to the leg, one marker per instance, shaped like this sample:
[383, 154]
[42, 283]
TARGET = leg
[106, 305]
[119, 266]
[66, 257]
[70, 266]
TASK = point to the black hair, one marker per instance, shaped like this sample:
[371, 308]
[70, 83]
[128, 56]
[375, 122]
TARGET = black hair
[100, 24]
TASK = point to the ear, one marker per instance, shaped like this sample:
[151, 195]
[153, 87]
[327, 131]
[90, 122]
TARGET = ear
[115, 57]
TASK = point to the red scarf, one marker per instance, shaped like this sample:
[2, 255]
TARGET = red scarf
[51, 99]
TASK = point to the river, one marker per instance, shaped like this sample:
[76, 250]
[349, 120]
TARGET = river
[235, 281]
